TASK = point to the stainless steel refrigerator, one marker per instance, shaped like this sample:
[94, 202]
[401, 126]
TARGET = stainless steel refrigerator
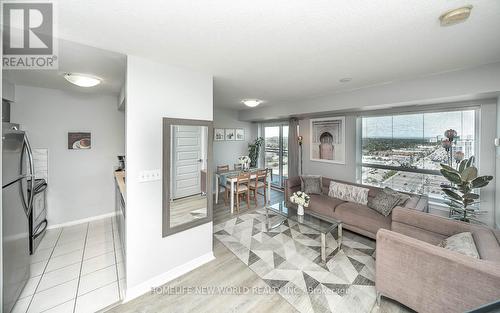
[17, 178]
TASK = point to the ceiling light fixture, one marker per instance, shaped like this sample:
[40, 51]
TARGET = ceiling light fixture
[82, 80]
[455, 16]
[252, 102]
[345, 80]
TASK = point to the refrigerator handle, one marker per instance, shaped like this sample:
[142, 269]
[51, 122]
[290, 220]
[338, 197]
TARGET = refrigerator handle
[29, 153]
[40, 229]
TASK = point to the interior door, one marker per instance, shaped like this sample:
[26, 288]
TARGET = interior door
[187, 152]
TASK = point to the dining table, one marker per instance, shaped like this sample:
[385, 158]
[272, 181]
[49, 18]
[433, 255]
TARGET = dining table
[232, 176]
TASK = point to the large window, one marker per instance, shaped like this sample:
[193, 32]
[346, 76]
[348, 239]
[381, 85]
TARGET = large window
[404, 151]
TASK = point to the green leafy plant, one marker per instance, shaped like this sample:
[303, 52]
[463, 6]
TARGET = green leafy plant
[254, 151]
[459, 193]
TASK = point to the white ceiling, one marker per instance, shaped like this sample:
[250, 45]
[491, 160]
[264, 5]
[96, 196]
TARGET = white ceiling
[284, 50]
[77, 58]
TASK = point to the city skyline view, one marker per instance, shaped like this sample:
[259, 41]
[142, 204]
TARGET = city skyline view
[409, 147]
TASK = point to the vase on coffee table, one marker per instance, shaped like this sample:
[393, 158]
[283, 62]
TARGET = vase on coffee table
[301, 199]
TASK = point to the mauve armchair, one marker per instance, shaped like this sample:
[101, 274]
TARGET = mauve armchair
[413, 270]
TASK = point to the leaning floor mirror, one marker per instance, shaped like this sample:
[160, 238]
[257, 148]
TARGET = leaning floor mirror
[187, 172]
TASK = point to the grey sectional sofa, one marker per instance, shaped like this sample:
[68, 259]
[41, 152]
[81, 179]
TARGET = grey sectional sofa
[355, 217]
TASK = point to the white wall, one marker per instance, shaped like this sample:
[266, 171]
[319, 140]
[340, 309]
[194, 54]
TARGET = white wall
[227, 152]
[497, 176]
[80, 181]
[155, 91]
[475, 83]
[487, 156]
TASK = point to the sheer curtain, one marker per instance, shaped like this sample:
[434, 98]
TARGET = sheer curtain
[293, 148]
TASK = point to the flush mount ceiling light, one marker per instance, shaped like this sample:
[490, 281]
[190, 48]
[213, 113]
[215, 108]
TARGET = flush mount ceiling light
[251, 102]
[82, 80]
[455, 16]
[345, 80]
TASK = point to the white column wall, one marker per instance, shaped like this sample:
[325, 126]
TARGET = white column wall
[155, 91]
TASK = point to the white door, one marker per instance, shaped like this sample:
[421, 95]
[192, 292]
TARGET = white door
[187, 157]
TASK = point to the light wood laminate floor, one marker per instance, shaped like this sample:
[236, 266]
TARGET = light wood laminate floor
[225, 271]
[187, 209]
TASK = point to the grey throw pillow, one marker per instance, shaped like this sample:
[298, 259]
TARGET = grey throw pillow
[403, 198]
[311, 184]
[462, 243]
[386, 200]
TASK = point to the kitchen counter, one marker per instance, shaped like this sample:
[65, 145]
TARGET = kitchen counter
[120, 181]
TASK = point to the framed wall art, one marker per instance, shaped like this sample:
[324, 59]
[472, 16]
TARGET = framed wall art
[240, 134]
[327, 139]
[230, 136]
[79, 140]
[219, 134]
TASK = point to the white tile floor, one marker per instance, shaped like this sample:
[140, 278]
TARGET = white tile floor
[75, 269]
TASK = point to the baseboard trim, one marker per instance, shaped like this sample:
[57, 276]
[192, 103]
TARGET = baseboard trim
[145, 287]
[83, 220]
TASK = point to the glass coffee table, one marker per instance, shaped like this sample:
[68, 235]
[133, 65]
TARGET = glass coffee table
[321, 224]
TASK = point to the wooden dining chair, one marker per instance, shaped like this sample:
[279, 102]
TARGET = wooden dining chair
[240, 189]
[260, 182]
[238, 167]
[222, 169]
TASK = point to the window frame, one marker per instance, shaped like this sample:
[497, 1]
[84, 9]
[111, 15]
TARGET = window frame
[280, 150]
[391, 113]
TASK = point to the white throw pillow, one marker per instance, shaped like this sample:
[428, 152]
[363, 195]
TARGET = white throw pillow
[462, 243]
[349, 193]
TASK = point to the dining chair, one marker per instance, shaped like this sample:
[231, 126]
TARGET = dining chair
[240, 189]
[238, 167]
[260, 182]
[222, 169]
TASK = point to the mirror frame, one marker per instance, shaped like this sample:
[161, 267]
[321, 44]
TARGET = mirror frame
[167, 123]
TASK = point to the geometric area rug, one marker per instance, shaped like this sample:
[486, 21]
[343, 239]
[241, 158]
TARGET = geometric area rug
[288, 259]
